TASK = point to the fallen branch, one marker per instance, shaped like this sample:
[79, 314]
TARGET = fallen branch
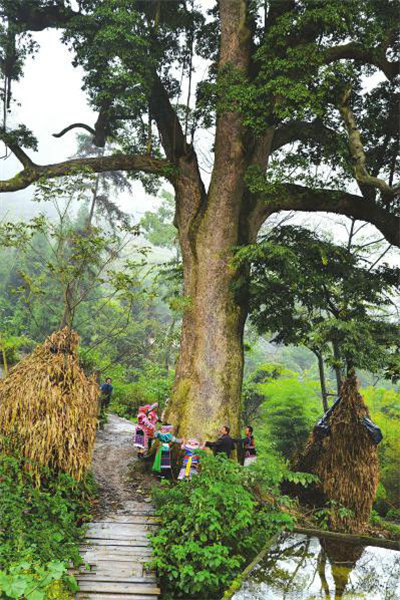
[362, 540]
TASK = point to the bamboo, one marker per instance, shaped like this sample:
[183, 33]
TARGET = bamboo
[237, 583]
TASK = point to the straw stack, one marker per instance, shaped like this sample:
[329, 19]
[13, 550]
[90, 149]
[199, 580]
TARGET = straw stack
[346, 461]
[48, 408]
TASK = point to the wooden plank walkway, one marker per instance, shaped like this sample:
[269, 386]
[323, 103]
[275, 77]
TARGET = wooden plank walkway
[117, 548]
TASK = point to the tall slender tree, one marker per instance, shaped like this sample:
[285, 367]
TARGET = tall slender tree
[284, 93]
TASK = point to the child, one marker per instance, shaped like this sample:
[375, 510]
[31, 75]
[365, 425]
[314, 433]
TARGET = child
[190, 460]
[144, 431]
[162, 462]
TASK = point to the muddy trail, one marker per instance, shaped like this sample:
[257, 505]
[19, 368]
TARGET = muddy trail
[122, 485]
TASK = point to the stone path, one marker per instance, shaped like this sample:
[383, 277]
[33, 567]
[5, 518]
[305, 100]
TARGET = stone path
[116, 545]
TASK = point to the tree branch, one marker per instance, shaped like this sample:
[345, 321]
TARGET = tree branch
[29, 17]
[300, 198]
[373, 56]
[100, 164]
[302, 131]
[169, 126]
[100, 130]
[357, 153]
[74, 126]
[16, 150]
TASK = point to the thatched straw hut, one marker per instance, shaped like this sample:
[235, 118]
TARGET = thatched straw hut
[346, 461]
[48, 408]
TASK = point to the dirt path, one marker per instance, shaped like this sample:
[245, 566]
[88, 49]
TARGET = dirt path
[120, 490]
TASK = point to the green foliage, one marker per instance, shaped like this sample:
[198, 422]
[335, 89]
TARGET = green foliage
[312, 292]
[153, 384]
[288, 413]
[63, 267]
[40, 525]
[393, 528]
[25, 580]
[252, 394]
[158, 225]
[12, 346]
[384, 408]
[212, 526]
[324, 515]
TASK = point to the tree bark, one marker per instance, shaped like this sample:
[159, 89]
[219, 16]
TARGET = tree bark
[321, 368]
[338, 370]
[207, 390]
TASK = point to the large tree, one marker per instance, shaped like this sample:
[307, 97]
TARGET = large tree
[284, 93]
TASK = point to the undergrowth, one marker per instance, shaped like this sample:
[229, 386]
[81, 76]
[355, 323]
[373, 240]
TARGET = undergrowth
[40, 530]
[214, 525]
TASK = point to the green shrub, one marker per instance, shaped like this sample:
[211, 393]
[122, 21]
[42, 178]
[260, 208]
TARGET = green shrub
[40, 525]
[393, 528]
[125, 402]
[13, 346]
[152, 385]
[211, 527]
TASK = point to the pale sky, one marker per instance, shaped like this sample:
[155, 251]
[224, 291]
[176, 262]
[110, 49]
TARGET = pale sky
[51, 98]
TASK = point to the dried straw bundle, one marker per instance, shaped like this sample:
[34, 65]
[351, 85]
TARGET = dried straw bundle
[48, 408]
[346, 461]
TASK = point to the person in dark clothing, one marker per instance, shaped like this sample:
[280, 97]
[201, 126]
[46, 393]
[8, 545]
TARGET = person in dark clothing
[106, 392]
[249, 446]
[223, 445]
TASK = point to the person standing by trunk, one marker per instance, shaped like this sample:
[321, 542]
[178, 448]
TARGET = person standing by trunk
[249, 447]
[223, 445]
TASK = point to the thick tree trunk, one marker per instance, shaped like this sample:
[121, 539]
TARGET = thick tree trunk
[209, 370]
[208, 381]
[207, 389]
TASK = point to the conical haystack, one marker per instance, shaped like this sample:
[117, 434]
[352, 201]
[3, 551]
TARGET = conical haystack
[48, 408]
[346, 461]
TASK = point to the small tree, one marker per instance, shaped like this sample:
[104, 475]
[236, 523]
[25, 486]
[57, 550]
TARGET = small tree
[68, 262]
[315, 293]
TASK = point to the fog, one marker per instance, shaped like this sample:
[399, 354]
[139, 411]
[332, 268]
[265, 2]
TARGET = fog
[49, 97]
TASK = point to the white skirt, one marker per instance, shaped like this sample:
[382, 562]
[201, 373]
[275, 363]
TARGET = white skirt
[249, 460]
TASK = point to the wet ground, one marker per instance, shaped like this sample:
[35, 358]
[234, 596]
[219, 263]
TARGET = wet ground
[123, 487]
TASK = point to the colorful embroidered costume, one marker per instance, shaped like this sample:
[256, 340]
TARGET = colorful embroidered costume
[191, 460]
[144, 431]
[162, 462]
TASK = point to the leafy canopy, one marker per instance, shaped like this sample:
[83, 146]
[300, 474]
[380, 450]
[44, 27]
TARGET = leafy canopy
[312, 292]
